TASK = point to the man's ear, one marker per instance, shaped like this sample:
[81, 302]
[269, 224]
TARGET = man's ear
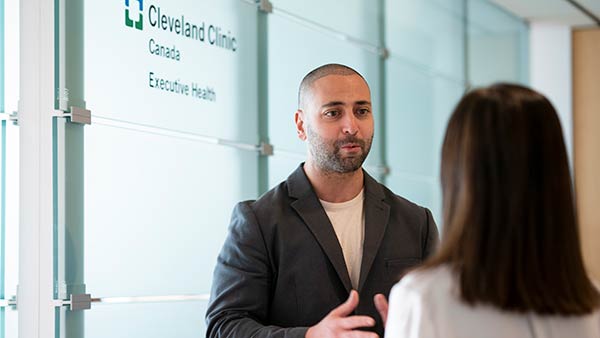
[300, 125]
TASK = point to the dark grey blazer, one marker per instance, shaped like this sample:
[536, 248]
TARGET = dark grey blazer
[282, 269]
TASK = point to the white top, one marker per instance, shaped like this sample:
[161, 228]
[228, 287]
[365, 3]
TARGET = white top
[348, 220]
[426, 304]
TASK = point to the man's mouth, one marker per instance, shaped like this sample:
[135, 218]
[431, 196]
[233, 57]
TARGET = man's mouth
[351, 146]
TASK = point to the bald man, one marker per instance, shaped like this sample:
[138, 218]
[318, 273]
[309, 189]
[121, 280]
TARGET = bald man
[317, 255]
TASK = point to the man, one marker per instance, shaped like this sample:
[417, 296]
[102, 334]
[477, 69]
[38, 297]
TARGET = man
[294, 257]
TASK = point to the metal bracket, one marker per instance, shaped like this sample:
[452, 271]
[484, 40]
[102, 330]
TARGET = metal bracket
[384, 170]
[384, 53]
[77, 115]
[81, 302]
[265, 149]
[9, 303]
[265, 6]
[14, 117]
[81, 115]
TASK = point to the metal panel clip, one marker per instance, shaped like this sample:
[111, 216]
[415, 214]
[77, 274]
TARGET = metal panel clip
[81, 302]
[265, 6]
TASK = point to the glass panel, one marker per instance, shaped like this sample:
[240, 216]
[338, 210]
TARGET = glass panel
[2, 178]
[189, 65]
[148, 320]
[357, 18]
[418, 189]
[172, 86]
[290, 61]
[427, 34]
[12, 317]
[9, 166]
[418, 107]
[2, 206]
[157, 210]
[498, 45]
[9, 227]
[425, 79]
[282, 165]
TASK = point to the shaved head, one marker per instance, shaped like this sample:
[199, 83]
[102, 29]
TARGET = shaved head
[322, 71]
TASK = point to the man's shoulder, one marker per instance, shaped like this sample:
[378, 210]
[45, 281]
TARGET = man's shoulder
[275, 197]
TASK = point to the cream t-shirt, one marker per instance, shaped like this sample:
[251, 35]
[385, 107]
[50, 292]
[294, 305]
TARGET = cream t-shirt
[348, 220]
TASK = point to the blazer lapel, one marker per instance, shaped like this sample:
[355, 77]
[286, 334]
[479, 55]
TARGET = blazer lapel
[377, 214]
[312, 213]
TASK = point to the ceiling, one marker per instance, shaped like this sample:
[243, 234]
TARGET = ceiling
[559, 11]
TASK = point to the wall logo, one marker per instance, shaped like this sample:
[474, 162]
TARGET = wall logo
[139, 23]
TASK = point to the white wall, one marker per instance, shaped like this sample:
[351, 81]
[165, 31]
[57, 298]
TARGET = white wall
[550, 70]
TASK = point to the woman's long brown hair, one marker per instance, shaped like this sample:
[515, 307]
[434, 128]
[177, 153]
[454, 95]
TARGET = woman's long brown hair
[510, 230]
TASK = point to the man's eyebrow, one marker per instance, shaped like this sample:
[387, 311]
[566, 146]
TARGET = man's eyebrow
[340, 103]
[332, 104]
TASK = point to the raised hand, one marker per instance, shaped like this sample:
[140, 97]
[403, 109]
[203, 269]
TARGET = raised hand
[381, 304]
[339, 323]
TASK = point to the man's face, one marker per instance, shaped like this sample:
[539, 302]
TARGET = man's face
[337, 122]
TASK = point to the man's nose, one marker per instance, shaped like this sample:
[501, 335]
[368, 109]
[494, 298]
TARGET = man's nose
[350, 124]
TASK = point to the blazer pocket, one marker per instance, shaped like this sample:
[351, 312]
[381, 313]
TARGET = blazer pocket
[397, 267]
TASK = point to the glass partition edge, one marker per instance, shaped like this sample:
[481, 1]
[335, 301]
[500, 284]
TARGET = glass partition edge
[2, 218]
[2, 175]
[68, 140]
[382, 68]
[263, 98]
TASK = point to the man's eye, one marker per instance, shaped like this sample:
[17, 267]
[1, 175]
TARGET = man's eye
[331, 113]
[363, 111]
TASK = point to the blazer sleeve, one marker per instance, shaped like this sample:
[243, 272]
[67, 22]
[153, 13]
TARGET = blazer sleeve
[430, 235]
[242, 284]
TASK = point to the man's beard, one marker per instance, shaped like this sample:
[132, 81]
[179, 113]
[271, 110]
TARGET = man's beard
[332, 161]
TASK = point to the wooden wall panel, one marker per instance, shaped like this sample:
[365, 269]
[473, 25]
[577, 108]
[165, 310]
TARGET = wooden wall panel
[586, 134]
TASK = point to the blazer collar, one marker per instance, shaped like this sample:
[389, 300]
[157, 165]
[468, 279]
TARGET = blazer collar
[377, 214]
[309, 208]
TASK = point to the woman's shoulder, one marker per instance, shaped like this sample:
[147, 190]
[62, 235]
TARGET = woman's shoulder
[426, 283]
[427, 277]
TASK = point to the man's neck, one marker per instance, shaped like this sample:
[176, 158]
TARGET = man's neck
[334, 187]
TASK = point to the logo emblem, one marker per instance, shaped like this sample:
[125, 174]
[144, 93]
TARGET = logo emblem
[139, 23]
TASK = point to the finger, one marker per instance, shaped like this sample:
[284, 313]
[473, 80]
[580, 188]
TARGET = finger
[348, 306]
[381, 305]
[353, 322]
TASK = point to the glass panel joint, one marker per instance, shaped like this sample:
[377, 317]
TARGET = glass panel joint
[265, 149]
[9, 303]
[14, 117]
[81, 302]
[384, 52]
[76, 302]
[77, 115]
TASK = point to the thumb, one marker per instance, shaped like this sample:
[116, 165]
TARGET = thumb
[381, 305]
[348, 306]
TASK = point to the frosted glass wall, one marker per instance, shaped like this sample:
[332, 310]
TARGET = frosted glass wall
[425, 78]
[174, 91]
[161, 174]
[498, 45]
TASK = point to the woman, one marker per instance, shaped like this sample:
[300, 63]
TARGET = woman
[509, 264]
